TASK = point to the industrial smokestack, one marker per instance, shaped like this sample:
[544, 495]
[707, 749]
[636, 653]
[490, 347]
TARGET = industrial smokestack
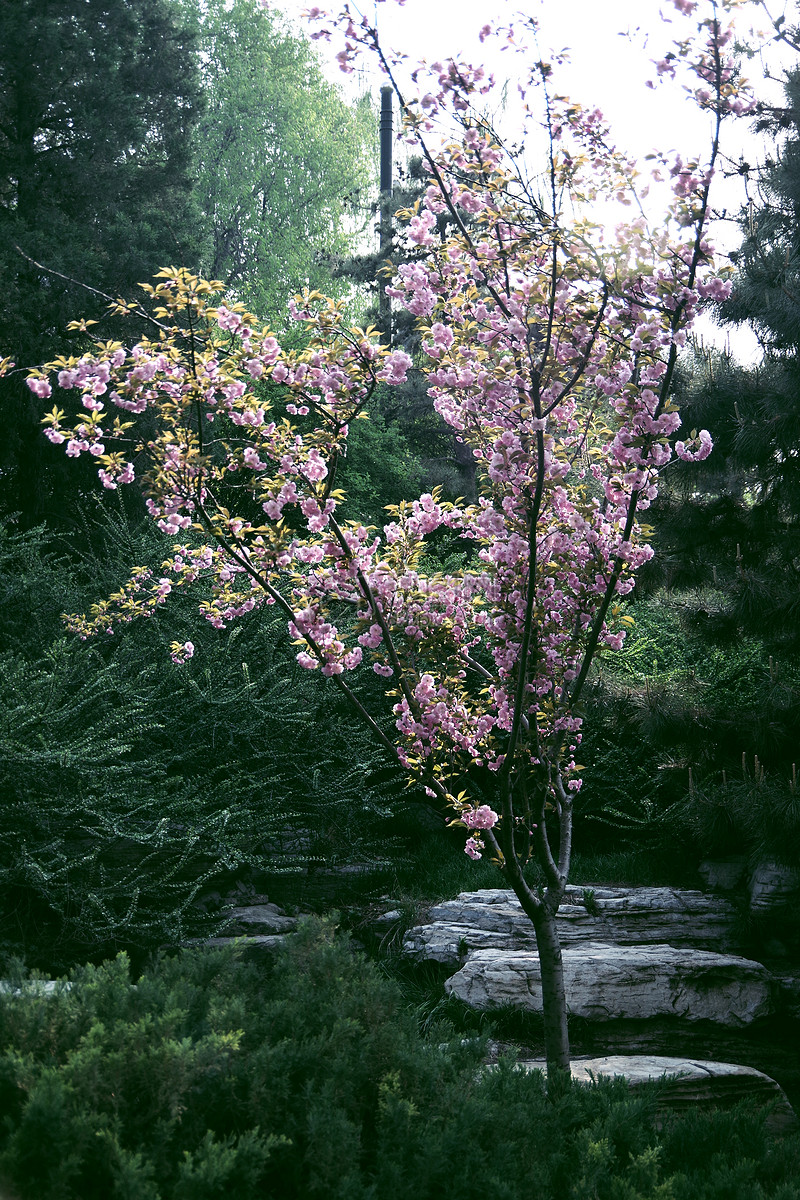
[386, 131]
[386, 139]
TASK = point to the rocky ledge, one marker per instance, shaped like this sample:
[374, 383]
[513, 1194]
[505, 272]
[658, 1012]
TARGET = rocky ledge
[493, 919]
[688, 1083]
[606, 982]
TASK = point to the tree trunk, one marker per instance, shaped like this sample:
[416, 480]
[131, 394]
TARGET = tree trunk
[554, 999]
[542, 914]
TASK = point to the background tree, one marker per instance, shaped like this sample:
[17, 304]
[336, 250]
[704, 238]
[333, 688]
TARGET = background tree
[95, 183]
[728, 528]
[282, 161]
[435, 456]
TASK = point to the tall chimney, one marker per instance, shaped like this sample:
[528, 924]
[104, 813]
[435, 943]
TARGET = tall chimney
[386, 139]
[387, 92]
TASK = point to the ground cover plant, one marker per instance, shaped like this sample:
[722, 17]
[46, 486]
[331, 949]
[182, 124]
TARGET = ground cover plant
[206, 1076]
[548, 351]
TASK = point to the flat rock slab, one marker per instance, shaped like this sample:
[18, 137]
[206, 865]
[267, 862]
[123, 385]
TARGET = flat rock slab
[606, 982]
[688, 1082]
[260, 919]
[773, 885]
[492, 919]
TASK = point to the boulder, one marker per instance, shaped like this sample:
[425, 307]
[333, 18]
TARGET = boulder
[772, 885]
[723, 874]
[688, 1083]
[493, 919]
[789, 993]
[259, 919]
[259, 928]
[609, 982]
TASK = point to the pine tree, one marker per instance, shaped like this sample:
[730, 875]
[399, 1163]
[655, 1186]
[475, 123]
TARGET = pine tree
[97, 102]
[728, 528]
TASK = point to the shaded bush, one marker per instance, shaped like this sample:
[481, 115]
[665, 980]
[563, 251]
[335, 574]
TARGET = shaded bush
[670, 720]
[212, 1077]
[130, 786]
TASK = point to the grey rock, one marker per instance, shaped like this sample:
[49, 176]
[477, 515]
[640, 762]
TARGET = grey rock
[689, 1083]
[260, 919]
[789, 994]
[392, 917]
[493, 919]
[606, 982]
[723, 874]
[772, 885]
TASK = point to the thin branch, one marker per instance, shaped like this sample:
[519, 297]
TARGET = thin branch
[140, 312]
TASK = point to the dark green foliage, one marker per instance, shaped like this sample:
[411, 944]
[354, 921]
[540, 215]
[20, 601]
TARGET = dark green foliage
[308, 1077]
[710, 682]
[728, 539]
[757, 815]
[671, 719]
[733, 521]
[132, 787]
[730, 526]
[380, 469]
[94, 184]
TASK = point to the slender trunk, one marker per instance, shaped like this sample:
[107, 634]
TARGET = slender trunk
[554, 998]
[542, 913]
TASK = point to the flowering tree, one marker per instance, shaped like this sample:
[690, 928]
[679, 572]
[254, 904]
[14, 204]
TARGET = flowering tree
[549, 347]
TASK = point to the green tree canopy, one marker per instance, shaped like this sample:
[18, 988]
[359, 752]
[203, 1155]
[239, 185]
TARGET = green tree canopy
[97, 104]
[281, 159]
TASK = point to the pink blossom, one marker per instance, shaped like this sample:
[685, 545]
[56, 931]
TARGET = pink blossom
[40, 387]
[332, 668]
[697, 449]
[181, 651]
[480, 818]
[396, 367]
[372, 638]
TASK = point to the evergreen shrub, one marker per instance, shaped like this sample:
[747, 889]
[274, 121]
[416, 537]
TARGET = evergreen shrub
[209, 1077]
[676, 730]
[133, 789]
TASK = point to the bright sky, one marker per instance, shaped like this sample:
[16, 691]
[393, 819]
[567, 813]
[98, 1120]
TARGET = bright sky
[612, 45]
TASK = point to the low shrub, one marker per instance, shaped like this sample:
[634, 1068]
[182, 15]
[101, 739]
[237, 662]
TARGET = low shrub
[210, 1076]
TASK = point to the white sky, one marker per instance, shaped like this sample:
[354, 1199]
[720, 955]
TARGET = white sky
[612, 46]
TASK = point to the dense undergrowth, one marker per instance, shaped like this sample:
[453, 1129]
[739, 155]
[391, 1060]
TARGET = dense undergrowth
[209, 1077]
[133, 789]
[136, 794]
